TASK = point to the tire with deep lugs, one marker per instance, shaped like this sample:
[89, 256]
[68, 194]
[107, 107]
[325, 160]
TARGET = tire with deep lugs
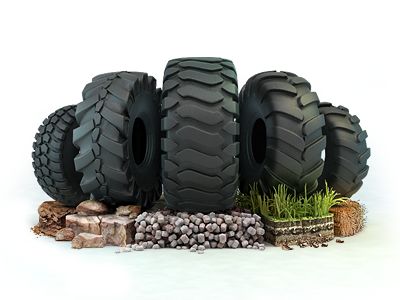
[280, 133]
[119, 138]
[346, 152]
[53, 157]
[200, 148]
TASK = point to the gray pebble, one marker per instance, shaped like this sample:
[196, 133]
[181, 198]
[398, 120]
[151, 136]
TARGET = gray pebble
[169, 228]
[156, 246]
[185, 239]
[186, 221]
[209, 227]
[202, 226]
[211, 236]
[249, 247]
[139, 248]
[200, 251]
[201, 248]
[179, 222]
[197, 221]
[255, 247]
[231, 233]
[184, 229]
[139, 218]
[192, 249]
[262, 248]
[246, 222]
[192, 218]
[184, 247]
[239, 234]
[235, 244]
[192, 242]
[228, 219]
[252, 221]
[139, 236]
[213, 244]
[172, 237]
[195, 246]
[212, 214]
[178, 247]
[233, 227]
[152, 220]
[260, 231]
[164, 234]
[206, 219]
[143, 223]
[156, 226]
[173, 244]
[199, 215]
[220, 245]
[190, 231]
[177, 229]
[220, 221]
[245, 243]
[206, 234]
[251, 230]
[161, 243]
[222, 238]
[196, 229]
[191, 225]
[144, 244]
[149, 228]
[239, 221]
[158, 235]
[148, 219]
[141, 229]
[150, 244]
[200, 238]
[213, 220]
[161, 219]
[223, 227]
[207, 244]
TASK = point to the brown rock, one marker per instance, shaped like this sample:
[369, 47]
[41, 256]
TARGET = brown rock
[52, 217]
[65, 234]
[117, 230]
[88, 224]
[348, 218]
[92, 208]
[88, 240]
[129, 210]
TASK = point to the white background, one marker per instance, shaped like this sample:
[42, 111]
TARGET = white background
[348, 50]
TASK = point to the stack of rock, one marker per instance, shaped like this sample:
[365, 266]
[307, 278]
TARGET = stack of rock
[197, 232]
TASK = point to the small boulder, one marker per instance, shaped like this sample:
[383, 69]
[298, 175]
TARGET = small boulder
[91, 208]
[88, 240]
[79, 223]
[117, 230]
[131, 211]
[65, 234]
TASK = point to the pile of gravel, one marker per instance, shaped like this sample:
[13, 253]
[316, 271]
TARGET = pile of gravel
[197, 232]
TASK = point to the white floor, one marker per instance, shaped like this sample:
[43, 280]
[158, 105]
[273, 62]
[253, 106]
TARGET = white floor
[39, 267]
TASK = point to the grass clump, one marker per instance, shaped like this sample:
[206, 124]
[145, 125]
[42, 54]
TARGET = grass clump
[284, 205]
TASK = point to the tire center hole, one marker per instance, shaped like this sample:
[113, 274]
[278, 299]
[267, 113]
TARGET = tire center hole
[139, 141]
[259, 140]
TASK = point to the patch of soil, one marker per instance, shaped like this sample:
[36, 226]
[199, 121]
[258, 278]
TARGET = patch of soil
[348, 218]
[51, 218]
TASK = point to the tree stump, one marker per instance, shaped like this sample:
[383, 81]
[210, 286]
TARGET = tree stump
[348, 218]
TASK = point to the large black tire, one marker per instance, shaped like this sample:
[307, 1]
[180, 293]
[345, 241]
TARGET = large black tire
[346, 152]
[119, 138]
[200, 163]
[53, 157]
[280, 133]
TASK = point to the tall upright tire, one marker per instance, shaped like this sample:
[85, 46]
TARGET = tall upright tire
[346, 152]
[280, 133]
[119, 138]
[200, 148]
[53, 157]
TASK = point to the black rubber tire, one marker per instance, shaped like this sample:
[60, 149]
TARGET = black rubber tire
[53, 157]
[200, 161]
[346, 152]
[107, 139]
[280, 133]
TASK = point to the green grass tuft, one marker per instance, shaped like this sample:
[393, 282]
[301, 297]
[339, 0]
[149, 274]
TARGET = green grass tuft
[284, 205]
